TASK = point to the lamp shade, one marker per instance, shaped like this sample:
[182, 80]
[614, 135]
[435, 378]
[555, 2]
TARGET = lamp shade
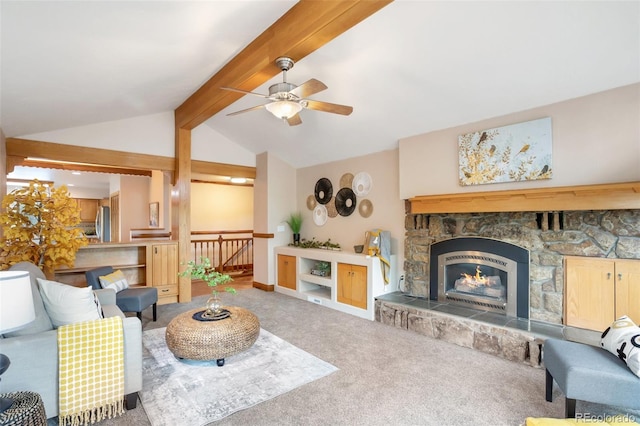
[16, 300]
[283, 109]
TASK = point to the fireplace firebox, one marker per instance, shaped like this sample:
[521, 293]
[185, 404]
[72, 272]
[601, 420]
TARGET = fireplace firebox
[481, 273]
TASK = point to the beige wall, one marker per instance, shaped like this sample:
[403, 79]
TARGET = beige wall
[274, 200]
[217, 207]
[388, 208]
[596, 139]
[134, 204]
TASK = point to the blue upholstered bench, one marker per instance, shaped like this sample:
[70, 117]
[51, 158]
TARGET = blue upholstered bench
[588, 373]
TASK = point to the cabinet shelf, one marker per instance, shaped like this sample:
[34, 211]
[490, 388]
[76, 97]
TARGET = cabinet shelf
[316, 279]
[87, 268]
[323, 292]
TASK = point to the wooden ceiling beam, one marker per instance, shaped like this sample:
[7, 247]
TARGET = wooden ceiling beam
[77, 167]
[87, 155]
[307, 26]
[106, 160]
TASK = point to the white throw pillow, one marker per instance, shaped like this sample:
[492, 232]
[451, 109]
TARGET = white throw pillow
[67, 304]
[623, 340]
[115, 280]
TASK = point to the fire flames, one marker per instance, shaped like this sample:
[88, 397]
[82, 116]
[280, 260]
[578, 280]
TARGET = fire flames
[476, 280]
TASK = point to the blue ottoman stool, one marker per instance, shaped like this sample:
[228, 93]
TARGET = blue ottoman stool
[588, 373]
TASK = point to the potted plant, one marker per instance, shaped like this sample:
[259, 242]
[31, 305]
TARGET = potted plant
[295, 223]
[39, 225]
[205, 272]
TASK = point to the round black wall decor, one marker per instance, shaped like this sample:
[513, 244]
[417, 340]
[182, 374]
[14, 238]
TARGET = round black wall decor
[324, 190]
[345, 201]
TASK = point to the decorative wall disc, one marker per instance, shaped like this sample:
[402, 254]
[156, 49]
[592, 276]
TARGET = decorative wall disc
[361, 184]
[311, 202]
[345, 202]
[331, 208]
[323, 190]
[320, 215]
[365, 208]
[346, 180]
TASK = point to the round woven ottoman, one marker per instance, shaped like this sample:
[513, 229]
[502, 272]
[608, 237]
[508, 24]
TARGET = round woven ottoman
[191, 339]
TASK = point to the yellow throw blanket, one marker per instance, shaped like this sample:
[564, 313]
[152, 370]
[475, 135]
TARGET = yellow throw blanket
[91, 375]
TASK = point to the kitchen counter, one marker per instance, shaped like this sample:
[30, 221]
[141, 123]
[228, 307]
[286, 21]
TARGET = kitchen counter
[133, 258]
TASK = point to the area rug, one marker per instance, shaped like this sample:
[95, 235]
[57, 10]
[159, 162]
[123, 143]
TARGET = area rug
[197, 393]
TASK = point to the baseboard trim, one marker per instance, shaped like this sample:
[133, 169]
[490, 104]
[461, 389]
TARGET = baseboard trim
[265, 287]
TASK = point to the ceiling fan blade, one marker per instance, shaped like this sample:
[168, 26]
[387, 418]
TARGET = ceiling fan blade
[328, 107]
[244, 91]
[295, 120]
[308, 88]
[246, 110]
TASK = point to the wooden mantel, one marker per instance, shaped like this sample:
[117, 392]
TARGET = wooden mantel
[616, 196]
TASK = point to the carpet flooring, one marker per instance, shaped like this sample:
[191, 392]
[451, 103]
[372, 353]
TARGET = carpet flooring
[201, 392]
[385, 375]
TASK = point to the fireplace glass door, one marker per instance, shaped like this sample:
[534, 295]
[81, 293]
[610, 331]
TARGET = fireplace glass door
[479, 280]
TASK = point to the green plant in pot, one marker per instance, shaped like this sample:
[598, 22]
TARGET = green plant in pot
[295, 223]
[205, 272]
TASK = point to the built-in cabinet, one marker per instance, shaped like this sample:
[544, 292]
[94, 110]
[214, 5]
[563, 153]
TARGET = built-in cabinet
[164, 272]
[350, 284]
[597, 291]
[149, 263]
[287, 271]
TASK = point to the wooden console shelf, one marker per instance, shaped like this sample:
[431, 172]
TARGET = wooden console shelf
[615, 196]
[351, 286]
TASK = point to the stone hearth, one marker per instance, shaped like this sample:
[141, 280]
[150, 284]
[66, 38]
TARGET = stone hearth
[514, 339]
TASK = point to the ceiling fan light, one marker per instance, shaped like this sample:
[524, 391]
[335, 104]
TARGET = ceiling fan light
[284, 109]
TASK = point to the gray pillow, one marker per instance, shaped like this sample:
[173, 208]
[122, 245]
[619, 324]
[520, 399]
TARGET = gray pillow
[42, 321]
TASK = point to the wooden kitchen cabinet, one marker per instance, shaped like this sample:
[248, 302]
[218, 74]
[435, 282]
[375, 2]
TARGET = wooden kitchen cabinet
[287, 271]
[164, 272]
[597, 291]
[88, 209]
[352, 285]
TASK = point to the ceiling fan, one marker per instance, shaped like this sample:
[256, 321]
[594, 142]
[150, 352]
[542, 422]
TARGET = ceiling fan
[287, 99]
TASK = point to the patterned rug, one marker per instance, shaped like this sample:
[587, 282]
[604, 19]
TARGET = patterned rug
[197, 393]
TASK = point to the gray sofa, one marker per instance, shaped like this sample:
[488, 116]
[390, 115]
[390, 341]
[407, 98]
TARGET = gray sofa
[33, 351]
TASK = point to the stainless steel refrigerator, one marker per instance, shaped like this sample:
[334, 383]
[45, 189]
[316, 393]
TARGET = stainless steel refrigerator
[103, 224]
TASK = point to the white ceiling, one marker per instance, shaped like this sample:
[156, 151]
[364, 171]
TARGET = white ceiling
[411, 68]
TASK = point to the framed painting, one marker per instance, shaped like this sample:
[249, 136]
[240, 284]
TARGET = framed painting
[517, 152]
[154, 214]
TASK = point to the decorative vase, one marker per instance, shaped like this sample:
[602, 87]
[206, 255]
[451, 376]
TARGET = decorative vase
[214, 304]
[296, 239]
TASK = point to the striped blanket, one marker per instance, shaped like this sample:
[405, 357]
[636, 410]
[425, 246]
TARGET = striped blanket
[91, 371]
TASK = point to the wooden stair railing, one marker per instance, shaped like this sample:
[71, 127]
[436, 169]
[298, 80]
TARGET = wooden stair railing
[229, 255]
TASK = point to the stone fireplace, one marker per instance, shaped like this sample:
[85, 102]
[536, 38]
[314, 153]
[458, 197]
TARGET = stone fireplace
[547, 236]
[547, 224]
[481, 273]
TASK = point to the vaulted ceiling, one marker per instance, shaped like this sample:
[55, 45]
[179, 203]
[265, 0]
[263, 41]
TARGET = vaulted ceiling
[410, 68]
